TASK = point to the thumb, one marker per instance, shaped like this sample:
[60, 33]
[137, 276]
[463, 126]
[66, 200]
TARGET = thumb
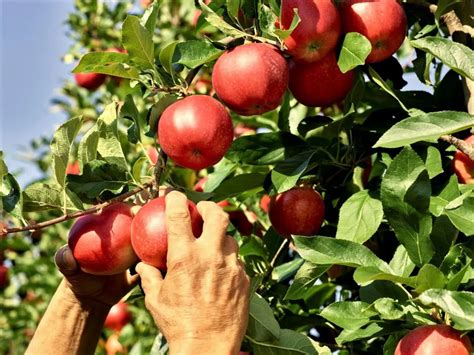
[65, 261]
[151, 278]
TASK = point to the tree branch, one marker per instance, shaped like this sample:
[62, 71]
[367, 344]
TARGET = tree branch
[4, 231]
[159, 169]
[463, 146]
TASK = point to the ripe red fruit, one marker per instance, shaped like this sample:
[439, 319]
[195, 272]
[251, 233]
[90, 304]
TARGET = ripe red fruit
[298, 211]
[265, 203]
[73, 168]
[90, 81]
[118, 316]
[251, 79]
[383, 22]
[463, 167]
[318, 31]
[199, 187]
[152, 154]
[434, 339]
[113, 345]
[149, 234]
[3, 276]
[101, 242]
[195, 132]
[239, 219]
[319, 83]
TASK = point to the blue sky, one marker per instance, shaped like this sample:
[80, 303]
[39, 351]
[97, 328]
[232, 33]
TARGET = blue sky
[32, 42]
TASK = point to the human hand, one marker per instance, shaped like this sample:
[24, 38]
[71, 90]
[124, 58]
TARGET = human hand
[202, 304]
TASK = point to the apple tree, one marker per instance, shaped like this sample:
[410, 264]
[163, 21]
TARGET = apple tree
[351, 196]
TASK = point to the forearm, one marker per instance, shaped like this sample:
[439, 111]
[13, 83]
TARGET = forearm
[68, 326]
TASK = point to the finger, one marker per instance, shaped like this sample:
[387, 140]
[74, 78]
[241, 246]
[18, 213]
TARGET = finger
[178, 223]
[231, 246]
[65, 261]
[216, 221]
[132, 280]
[151, 278]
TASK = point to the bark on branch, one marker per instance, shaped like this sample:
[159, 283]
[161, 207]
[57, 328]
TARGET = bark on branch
[463, 146]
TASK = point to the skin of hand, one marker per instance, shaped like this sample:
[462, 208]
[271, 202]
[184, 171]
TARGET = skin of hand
[202, 305]
[76, 314]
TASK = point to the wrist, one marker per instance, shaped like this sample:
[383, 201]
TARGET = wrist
[87, 304]
[208, 346]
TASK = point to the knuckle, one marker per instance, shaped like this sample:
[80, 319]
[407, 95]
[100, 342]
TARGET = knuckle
[177, 215]
[221, 218]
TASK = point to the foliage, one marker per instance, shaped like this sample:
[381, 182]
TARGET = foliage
[396, 248]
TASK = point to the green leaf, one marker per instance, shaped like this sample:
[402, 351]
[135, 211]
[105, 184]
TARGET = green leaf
[253, 246]
[379, 289]
[157, 110]
[359, 217]
[129, 111]
[264, 148]
[355, 50]
[238, 184]
[150, 16]
[455, 55]
[381, 83]
[42, 196]
[429, 277]
[425, 127]
[459, 305]
[262, 325]
[366, 274]
[327, 251]
[110, 63]
[87, 150]
[221, 171]
[405, 195]
[195, 53]
[401, 263]
[389, 308]
[290, 342]
[216, 21]
[463, 216]
[286, 270]
[233, 7]
[284, 34]
[61, 144]
[348, 315]
[138, 42]
[11, 200]
[166, 56]
[285, 175]
[304, 280]
[98, 177]
[433, 162]
[109, 147]
[349, 335]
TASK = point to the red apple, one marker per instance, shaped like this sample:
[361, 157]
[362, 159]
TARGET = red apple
[319, 83]
[113, 345]
[265, 203]
[195, 132]
[73, 168]
[434, 339]
[242, 221]
[118, 317]
[3, 276]
[101, 242]
[383, 22]
[199, 187]
[149, 235]
[251, 79]
[463, 166]
[152, 154]
[317, 33]
[90, 81]
[243, 130]
[297, 211]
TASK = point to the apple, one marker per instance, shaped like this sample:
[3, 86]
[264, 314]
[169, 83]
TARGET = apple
[152, 154]
[195, 132]
[149, 235]
[243, 130]
[113, 345]
[3, 276]
[317, 33]
[199, 187]
[297, 211]
[145, 3]
[239, 219]
[118, 316]
[90, 81]
[251, 79]
[434, 339]
[73, 168]
[463, 167]
[383, 22]
[101, 242]
[265, 203]
[319, 83]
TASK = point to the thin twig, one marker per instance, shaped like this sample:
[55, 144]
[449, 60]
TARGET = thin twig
[463, 146]
[4, 231]
[277, 254]
[159, 168]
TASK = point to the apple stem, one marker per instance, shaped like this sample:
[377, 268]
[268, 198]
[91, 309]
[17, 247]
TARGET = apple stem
[463, 146]
[32, 227]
